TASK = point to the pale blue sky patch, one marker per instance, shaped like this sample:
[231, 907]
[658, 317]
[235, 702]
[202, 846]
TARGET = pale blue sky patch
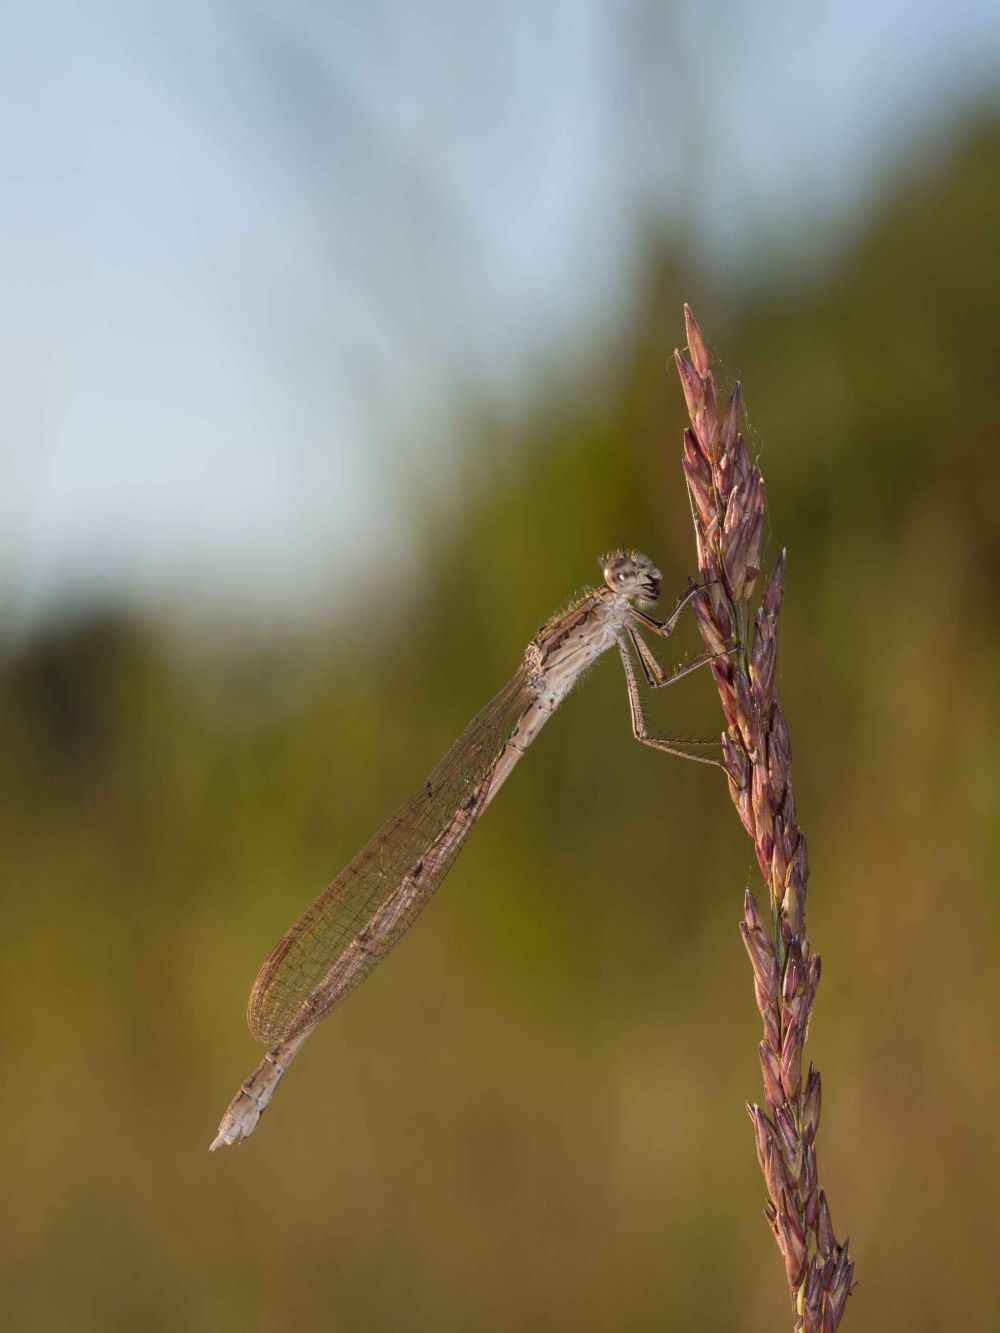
[251, 255]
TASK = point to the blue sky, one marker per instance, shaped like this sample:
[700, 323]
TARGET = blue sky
[249, 253]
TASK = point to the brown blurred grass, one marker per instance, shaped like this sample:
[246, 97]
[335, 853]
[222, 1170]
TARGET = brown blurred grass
[532, 1117]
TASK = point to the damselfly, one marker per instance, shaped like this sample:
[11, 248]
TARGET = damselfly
[354, 923]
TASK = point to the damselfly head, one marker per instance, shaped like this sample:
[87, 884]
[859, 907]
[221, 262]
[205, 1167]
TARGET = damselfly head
[631, 574]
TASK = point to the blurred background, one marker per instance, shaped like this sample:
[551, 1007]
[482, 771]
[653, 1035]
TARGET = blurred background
[335, 350]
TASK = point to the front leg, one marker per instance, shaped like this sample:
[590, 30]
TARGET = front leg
[664, 627]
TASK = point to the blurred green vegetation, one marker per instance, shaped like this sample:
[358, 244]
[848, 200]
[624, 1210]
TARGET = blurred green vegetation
[532, 1116]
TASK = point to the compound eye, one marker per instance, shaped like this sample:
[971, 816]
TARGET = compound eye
[620, 575]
